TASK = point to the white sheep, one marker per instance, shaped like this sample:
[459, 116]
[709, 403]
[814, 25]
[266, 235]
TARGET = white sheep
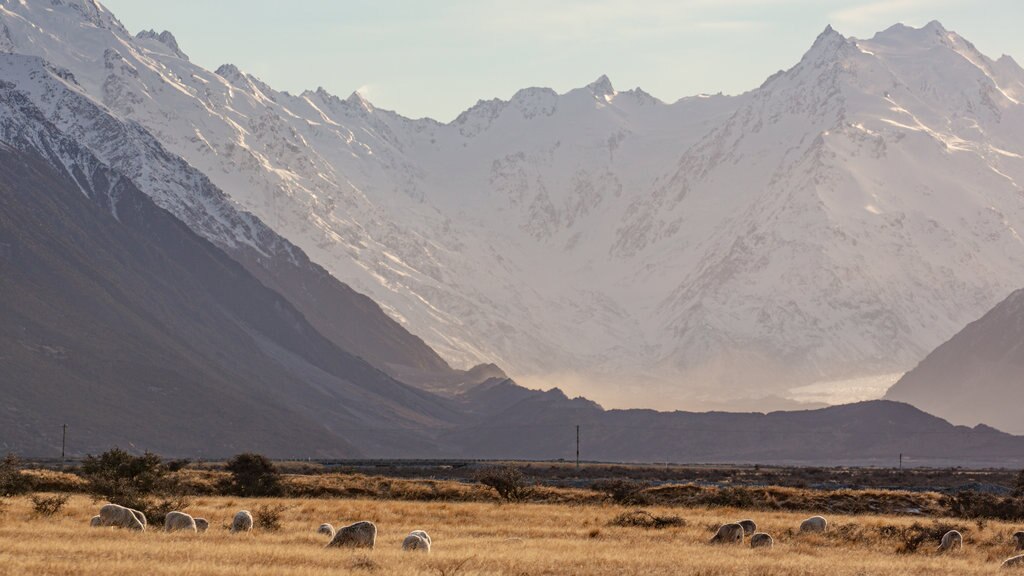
[116, 515]
[761, 540]
[814, 524]
[728, 534]
[749, 527]
[359, 535]
[422, 534]
[96, 521]
[179, 522]
[1018, 537]
[416, 542]
[242, 522]
[1014, 562]
[202, 524]
[951, 540]
[326, 529]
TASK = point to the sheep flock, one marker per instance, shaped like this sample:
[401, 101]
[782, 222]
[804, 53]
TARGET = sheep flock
[363, 534]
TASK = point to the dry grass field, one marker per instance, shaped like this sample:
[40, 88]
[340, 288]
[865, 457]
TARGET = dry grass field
[481, 538]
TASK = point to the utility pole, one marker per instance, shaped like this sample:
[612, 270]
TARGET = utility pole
[63, 444]
[901, 461]
[577, 446]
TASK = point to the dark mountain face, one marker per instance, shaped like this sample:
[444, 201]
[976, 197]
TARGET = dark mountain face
[512, 422]
[978, 375]
[121, 322]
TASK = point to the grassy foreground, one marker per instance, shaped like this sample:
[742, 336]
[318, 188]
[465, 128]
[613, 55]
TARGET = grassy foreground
[479, 538]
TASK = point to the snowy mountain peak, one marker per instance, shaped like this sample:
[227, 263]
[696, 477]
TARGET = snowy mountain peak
[602, 88]
[229, 72]
[165, 38]
[826, 45]
[355, 99]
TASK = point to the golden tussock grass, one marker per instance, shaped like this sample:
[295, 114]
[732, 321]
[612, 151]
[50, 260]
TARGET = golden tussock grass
[473, 538]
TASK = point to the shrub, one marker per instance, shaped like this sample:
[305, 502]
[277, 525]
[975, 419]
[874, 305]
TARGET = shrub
[268, 517]
[117, 474]
[138, 482]
[1018, 488]
[625, 492]
[45, 506]
[252, 475]
[973, 505]
[12, 481]
[644, 519]
[507, 481]
[911, 537]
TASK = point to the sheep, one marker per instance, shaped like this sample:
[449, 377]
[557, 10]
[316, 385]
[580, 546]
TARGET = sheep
[115, 515]
[359, 535]
[96, 521]
[326, 529]
[242, 522]
[951, 540]
[1018, 537]
[179, 522]
[415, 542]
[749, 527]
[422, 534]
[202, 524]
[761, 540]
[728, 534]
[814, 524]
[1014, 562]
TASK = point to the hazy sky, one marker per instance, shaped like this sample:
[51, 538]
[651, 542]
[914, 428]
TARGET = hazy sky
[434, 58]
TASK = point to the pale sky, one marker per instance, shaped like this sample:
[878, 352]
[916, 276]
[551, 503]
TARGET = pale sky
[437, 58]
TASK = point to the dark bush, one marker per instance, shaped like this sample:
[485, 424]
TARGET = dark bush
[267, 517]
[1018, 487]
[115, 472]
[644, 519]
[625, 492]
[911, 538]
[12, 481]
[508, 481]
[138, 482]
[252, 475]
[973, 505]
[49, 505]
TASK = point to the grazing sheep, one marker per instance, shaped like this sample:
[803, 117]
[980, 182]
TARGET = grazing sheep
[1014, 562]
[416, 542]
[422, 534]
[1018, 537]
[95, 522]
[202, 524]
[359, 535]
[242, 522]
[326, 529]
[951, 540]
[814, 524]
[179, 522]
[761, 540]
[115, 515]
[728, 534]
[749, 527]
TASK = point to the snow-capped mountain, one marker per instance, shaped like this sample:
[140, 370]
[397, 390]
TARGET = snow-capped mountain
[838, 221]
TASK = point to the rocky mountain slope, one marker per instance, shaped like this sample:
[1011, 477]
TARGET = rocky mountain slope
[839, 221]
[122, 323]
[976, 376]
